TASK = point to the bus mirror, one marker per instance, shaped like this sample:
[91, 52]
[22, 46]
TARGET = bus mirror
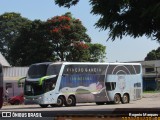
[19, 81]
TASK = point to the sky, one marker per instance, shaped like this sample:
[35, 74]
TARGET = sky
[120, 50]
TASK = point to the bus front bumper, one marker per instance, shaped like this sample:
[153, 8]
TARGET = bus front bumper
[33, 100]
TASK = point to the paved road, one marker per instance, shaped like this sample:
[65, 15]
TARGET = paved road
[150, 103]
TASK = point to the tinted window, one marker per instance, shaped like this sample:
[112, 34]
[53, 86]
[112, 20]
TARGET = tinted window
[50, 84]
[53, 69]
[37, 71]
[123, 69]
[137, 68]
[137, 85]
[33, 88]
[110, 85]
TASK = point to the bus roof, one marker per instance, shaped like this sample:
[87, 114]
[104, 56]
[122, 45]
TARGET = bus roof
[85, 63]
[94, 63]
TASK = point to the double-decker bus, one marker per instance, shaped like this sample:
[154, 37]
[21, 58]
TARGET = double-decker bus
[68, 83]
[1, 86]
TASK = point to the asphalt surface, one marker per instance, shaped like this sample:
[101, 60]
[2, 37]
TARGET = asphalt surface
[148, 105]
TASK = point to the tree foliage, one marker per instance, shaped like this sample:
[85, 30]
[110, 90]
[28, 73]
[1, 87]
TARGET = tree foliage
[65, 32]
[153, 55]
[66, 3]
[79, 52]
[97, 52]
[61, 38]
[32, 45]
[10, 25]
[125, 17]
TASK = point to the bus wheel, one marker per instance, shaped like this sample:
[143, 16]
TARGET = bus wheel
[43, 105]
[117, 99]
[71, 101]
[60, 102]
[99, 103]
[125, 99]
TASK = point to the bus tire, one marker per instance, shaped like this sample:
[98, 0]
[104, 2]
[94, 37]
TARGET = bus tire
[60, 101]
[125, 99]
[43, 105]
[117, 99]
[99, 103]
[71, 101]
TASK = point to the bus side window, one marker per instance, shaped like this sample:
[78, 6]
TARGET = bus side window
[110, 86]
[137, 84]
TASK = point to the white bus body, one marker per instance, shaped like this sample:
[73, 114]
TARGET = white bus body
[68, 83]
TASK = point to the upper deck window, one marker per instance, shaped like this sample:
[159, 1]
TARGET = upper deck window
[54, 69]
[37, 71]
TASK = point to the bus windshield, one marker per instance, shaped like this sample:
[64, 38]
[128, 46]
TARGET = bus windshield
[37, 71]
[33, 88]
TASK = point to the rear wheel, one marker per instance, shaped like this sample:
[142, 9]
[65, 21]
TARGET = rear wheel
[43, 105]
[71, 101]
[125, 99]
[117, 99]
[60, 102]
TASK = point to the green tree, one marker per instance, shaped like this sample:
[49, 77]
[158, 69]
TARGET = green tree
[65, 32]
[153, 55]
[10, 25]
[60, 38]
[79, 52]
[125, 17]
[97, 52]
[32, 45]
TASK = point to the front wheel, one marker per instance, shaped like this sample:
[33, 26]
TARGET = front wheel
[71, 101]
[43, 105]
[60, 101]
[125, 99]
[117, 99]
